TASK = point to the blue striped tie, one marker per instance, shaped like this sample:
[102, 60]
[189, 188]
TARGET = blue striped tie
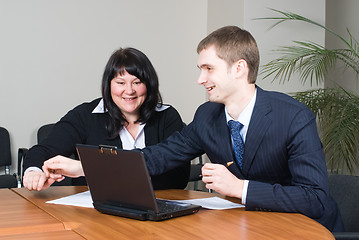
[238, 144]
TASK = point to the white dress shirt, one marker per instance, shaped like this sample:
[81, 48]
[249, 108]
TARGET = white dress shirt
[244, 118]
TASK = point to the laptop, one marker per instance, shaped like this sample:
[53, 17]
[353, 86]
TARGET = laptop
[120, 185]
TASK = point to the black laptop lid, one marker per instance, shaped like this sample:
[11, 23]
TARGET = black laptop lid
[122, 180]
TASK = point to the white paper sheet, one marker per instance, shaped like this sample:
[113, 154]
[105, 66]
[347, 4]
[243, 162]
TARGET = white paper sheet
[79, 199]
[213, 203]
[84, 200]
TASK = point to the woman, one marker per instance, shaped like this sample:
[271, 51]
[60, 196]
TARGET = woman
[129, 115]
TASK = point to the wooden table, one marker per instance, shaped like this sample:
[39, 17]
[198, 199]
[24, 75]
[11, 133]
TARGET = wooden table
[206, 224]
[20, 219]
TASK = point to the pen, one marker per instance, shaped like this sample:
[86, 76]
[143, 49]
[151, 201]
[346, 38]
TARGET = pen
[229, 163]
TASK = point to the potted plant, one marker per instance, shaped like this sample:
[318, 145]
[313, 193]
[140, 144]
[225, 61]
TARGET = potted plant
[337, 109]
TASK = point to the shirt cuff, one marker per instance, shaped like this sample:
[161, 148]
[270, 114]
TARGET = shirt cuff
[36, 169]
[244, 191]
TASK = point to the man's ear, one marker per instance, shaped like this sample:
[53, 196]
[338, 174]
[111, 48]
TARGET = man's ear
[241, 67]
[241, 64]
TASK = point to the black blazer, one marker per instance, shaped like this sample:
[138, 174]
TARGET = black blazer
[283, 159]
[80, 125]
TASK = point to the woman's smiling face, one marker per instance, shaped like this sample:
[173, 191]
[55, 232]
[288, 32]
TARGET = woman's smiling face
[128, 93]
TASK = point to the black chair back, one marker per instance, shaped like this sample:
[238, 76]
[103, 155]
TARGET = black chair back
[345, 190]
[5, 153]
[6, 180]
[42, 134]
[44, 131]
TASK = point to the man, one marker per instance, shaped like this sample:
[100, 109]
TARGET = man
[282, 167]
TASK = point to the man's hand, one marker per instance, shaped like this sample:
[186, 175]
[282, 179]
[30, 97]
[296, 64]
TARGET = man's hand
[218, 178]
[36, 180]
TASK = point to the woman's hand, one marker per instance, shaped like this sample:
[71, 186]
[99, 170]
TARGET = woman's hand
[58, 167]
[36, 180]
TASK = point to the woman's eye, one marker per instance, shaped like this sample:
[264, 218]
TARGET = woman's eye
[137, 83]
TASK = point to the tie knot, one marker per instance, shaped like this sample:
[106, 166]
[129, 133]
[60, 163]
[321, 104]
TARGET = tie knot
[235, 128]
[235, 125]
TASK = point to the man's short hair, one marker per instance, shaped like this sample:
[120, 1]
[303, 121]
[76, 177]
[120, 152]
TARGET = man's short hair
[232, 44]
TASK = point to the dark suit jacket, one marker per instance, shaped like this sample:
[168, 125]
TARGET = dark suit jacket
[283, 159]
[80, 125]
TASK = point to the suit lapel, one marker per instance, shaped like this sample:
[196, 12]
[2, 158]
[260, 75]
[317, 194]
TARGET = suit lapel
[220, 137]
[258, 126]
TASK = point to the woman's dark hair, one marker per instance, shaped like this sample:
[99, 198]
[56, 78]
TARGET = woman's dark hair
[137, 64]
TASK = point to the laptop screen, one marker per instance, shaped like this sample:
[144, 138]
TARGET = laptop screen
[117, 176]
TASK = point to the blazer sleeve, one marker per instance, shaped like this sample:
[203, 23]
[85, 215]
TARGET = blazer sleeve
[306, 191]
[160, 128]
[180, 148]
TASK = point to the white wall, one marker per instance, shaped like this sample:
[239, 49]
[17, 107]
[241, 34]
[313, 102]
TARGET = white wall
[340, 16]
[53, 53]
[225, 12]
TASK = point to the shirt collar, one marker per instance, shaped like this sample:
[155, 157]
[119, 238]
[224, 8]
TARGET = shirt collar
[100, 108]
[246, 114]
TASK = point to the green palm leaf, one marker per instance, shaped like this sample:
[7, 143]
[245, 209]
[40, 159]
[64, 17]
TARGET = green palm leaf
[340, 127]
[312, 61]
[337, 112]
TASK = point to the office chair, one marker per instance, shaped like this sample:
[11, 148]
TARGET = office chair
[44, 131]
[42, 134]
[6, 180]
[345, 190]
[196, 172]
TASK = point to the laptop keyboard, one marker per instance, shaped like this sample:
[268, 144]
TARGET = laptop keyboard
[168, 206]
